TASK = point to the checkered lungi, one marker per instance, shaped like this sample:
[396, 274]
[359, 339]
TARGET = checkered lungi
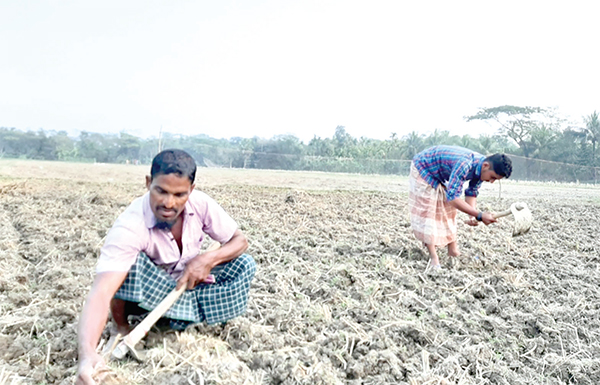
[147, 285]
[432, 218]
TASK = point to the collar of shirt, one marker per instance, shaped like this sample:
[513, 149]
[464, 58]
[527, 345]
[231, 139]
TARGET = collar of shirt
[476, 171]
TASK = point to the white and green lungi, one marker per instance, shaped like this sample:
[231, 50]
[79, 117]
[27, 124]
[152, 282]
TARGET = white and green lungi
[147, 285]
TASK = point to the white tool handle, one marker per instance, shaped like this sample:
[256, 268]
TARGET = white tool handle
[502, 214]
[143, 327]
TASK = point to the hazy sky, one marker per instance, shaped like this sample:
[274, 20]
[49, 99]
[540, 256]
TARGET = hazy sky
[245, 68]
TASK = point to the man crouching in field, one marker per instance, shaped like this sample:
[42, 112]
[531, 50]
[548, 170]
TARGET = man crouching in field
[437, 176]
[153, 247]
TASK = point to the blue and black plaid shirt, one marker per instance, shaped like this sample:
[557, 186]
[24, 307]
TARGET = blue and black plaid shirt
[451, 166]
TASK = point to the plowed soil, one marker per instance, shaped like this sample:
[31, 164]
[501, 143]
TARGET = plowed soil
[342, 294]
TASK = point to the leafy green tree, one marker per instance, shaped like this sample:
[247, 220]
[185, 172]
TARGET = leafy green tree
[10, 143]
[438, 137]
[247, 148]
[97, 147]
[415, 143]
[281, 152]
[343, 143]
[148, 149]
[543, 137]
[44, 148]
[533, 129]
[571, 147]
[487, 144]
[64, 147]
[395, 147]
[592, 132]
[517, 123]
[467, 141]
[128, 147]
[321, 147]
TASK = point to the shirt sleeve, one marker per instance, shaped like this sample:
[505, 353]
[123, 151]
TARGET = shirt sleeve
[457, 179]
[473, 189]
[217, 223]
[121, 247]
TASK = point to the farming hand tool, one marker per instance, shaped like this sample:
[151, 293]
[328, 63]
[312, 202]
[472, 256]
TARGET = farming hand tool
[522, 215]
[128, 343]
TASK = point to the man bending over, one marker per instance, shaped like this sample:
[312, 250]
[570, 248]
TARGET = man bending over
[437, 176]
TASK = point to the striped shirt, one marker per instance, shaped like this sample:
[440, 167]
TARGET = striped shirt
[451, 166]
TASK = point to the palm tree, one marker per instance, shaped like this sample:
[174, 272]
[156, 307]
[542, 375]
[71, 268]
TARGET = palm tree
[486, 145]
[465, 141]
[438, 137]
[414, 144]
[592, 132]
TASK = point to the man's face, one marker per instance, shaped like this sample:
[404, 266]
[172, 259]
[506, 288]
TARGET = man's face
[488, 174]
[168, 195]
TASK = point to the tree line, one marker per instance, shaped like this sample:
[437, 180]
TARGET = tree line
[533, 133]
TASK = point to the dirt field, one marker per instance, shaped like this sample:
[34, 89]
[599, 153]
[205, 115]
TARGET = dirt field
[341, 296]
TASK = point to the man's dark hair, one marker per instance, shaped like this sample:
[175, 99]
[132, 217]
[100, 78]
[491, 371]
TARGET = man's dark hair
[501, 164]
[174, 162]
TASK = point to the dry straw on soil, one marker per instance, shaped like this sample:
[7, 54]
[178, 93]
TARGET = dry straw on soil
[341, 296]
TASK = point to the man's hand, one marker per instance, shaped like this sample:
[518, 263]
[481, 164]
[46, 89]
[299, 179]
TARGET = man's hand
[90, 367]
[488, 218]
[91, 323]
[196, 271]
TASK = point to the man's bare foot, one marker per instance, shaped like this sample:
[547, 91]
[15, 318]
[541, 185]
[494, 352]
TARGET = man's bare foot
[435, 267]
[453, 250]
[120, 314]
[122, 330]
[116, 335]
[433, 257]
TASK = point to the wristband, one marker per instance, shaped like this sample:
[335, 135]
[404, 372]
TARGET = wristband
[479, 216]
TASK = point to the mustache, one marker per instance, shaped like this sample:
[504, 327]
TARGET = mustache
[165, 209]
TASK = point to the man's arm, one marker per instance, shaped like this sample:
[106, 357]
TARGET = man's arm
[92, 321]
[471, 201]
[198, 268]
[467, 206]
